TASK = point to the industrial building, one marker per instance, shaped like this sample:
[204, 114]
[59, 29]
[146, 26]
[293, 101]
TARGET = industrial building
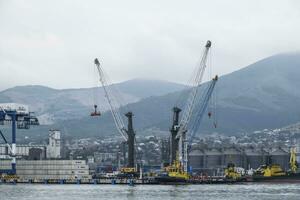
[49, 169]
[212, 161]
[254, 157]
[52, 150]
[41, 162]
[54, 144]
[28, 151]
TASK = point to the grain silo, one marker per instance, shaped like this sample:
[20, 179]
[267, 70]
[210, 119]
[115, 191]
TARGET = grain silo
[254, 157]
[196, 159]
[212, 161]
[232, 155]
[280, 156]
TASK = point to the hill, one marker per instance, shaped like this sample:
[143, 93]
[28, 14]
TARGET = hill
[262, 95]
[52, 106]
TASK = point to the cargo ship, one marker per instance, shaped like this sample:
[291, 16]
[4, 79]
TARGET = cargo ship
[165, 178]
[274, 172]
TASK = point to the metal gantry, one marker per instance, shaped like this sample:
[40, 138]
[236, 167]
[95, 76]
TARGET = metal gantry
[20, 118]
[174, 131]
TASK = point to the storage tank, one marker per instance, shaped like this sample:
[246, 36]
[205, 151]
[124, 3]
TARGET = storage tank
[255, 157]
[213, 158]
[232, 155]
[196, 159]
[281, 157]
[36, 154]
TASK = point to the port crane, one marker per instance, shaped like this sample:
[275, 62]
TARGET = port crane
[20, 118]
[190, 107]
[203, 102]
[114, 105]
[293, 161]
[201, 108]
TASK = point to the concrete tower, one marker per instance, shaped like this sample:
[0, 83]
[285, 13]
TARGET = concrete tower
[53, 148]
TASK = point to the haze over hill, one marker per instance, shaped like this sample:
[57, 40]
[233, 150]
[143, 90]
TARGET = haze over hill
[53, 105]
[262, 95]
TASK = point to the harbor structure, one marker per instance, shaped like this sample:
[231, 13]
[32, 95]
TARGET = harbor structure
[52, 150]
[254, 157]
[19, 117]
[232, 155]
[279, 156]
[114, 104]
[213, 161]
[24, 150]
[49, 169]
[54, 145]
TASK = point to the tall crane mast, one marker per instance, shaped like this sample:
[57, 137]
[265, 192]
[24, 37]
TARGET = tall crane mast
[174, 131]
[127, 134]
[200, 110]
[189, 107]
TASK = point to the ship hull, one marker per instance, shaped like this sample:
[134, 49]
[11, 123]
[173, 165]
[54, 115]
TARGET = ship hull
[292, 178]
[169, 180]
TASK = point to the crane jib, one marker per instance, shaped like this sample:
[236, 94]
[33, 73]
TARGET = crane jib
[114, 105]
[113, 108]
[189, 107]
[202, 108]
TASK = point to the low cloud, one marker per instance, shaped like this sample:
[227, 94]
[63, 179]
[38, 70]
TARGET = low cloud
[54, 42]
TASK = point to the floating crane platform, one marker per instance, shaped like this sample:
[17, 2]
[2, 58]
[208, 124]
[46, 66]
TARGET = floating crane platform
[118, 181]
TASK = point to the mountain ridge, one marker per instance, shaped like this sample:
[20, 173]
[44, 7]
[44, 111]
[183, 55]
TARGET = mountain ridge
[262, 95]
[52, 105]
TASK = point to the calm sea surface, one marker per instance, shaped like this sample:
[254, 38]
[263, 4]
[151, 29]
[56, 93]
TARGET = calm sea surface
[213, 192]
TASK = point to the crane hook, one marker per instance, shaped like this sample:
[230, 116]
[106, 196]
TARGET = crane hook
[209, 114]
[95, 113]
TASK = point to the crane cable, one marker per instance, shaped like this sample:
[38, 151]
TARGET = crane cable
[197, 83]
[190, 105]
[94, 89]
[203, 102]
[116, 95]
[95, 95]
[213, 100]
[113, 103]
[181, 97]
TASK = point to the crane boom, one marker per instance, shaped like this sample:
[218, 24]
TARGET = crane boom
[114, 108]
[128, 134]
[201, 110]
[189, 106]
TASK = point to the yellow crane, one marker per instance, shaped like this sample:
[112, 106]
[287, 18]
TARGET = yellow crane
[293, 160]
[176, 170]
[275, 170]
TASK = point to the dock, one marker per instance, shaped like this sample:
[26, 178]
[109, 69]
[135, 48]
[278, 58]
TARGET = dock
[115, 181]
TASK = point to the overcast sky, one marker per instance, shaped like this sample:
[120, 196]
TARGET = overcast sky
[54, 42]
